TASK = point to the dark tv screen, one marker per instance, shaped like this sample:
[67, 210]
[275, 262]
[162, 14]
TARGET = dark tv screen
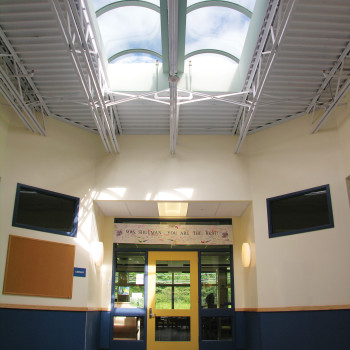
[302, 211]
[43, 210]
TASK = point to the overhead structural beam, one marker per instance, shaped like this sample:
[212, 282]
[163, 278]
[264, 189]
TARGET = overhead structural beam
[329, 76]
[334, 104]
[92, 25]
[183, 97]
[173, 23]
[14, 98]
[165, 34]
[174, 113]
[18, 88]
[261, 79]
[76, 32]
[261, 42]
[23, 70]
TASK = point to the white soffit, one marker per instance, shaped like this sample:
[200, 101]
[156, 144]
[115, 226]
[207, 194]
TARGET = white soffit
[149, 209]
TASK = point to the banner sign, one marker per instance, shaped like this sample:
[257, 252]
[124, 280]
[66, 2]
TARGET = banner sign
[172, 234]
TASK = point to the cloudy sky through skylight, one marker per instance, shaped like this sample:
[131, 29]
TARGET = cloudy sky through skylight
[216, 28]
[134, 27]
[130, 27]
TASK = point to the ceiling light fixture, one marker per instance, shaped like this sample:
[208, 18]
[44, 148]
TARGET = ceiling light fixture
[177, 209]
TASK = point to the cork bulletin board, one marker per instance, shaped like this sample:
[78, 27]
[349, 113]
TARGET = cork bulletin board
[39, 268]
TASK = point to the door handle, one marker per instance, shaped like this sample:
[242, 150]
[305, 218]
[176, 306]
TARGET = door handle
[151, 315]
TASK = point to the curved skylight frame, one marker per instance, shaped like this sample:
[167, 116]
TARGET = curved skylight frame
[123, 4]
[223, 31]
[220, 3]
[214, 51]
[130, 51]
[217, 3]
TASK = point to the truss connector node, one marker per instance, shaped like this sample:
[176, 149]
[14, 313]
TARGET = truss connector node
[173, 79]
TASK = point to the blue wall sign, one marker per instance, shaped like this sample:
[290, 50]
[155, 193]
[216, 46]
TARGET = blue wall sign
[79, 272]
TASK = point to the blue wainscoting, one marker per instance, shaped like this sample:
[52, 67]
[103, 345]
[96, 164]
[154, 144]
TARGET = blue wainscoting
[74, 330]
[93, 329]
[44, 330]
[303, 330]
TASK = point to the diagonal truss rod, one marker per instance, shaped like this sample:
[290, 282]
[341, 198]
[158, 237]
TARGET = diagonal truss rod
[341, 93]
[102, 64]
[258, 90]
[76, 38]
[329, 76]
[155, 96]
[14, 79]
[256, 61]
[14, 98]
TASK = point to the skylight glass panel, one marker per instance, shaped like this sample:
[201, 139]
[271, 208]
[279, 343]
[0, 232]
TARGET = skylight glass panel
[217, 28]
[249, 4]
[101, 3]
[130, 27]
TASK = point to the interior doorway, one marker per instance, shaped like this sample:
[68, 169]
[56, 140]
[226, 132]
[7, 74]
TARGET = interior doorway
[171, 297]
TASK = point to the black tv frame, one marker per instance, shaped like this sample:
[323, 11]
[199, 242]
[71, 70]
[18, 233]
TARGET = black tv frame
[269, 201]
[75, 200]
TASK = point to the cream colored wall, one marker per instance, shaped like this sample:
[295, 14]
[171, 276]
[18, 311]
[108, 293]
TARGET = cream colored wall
[298, 270]
[308, 269]
[244, 277]
[204, 168]
[343, 123]
[4, 122]
[64, 162]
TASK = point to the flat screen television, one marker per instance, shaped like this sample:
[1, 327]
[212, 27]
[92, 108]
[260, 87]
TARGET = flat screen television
[43, 210]
[303, 211]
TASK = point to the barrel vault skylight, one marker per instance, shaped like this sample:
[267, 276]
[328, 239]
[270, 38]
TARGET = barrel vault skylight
[137, 42]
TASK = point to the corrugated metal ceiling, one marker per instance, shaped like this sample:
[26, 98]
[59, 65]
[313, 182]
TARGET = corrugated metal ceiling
[311, 66]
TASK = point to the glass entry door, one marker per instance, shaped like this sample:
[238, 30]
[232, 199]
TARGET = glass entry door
[172, 311]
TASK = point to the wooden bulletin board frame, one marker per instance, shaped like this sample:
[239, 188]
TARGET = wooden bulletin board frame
[39, 268]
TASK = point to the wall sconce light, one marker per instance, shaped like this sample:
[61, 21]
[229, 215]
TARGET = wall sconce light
[97, 253]
[246, 255]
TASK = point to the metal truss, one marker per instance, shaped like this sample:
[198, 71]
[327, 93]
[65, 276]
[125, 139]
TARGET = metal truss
[174, 38]
[257, 58]
[17, 87]
[339, 78]
[75, 25]
[258, 75]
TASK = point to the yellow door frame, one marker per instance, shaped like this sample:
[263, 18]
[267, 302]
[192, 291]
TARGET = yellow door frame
[193, 344]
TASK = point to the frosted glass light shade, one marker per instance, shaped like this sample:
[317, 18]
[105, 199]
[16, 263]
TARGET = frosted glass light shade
[246, 254]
